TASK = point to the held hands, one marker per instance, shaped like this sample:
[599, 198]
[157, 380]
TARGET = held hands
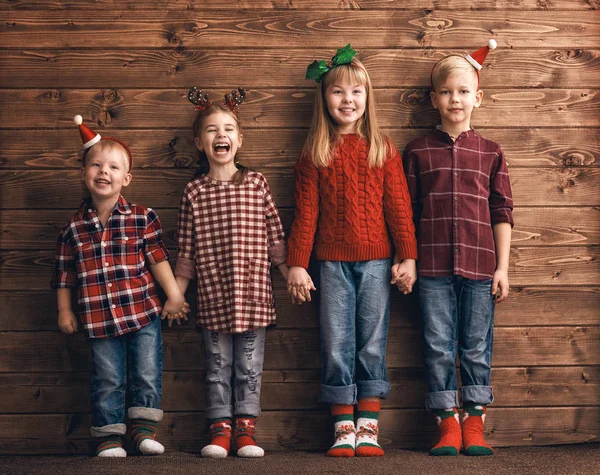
[67, 322]
[175, 308]
[299, 285]
[404, 275]
[500, 285]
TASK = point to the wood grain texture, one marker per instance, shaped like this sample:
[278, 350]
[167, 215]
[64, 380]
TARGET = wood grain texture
[191, 5]
[288, 108]
[299, 430]
[300, 29]
[183, 67]
[166, 148]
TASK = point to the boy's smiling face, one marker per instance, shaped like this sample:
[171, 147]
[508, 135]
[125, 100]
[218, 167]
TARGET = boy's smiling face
[105, 173]
[456, 97]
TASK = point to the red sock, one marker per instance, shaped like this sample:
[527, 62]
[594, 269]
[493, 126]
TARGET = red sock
[345, 438]
[450, 436]
[245, 437]
[472, 431]
[220, 439]
[367, 428]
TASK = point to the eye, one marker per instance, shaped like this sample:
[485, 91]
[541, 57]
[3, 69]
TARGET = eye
[114, 167]
[465, 91]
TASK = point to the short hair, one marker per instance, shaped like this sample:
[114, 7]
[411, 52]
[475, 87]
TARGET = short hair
[107, 144]
[449, 65]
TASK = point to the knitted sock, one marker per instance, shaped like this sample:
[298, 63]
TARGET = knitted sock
[472, 430]
[345, 432]
[220, 439]
[450, 437]
[143, 434]
[111, 446]
[245, 437]
[367, 428]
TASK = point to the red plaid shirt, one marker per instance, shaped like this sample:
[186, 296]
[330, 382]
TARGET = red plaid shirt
[108, 266]
[459, 190]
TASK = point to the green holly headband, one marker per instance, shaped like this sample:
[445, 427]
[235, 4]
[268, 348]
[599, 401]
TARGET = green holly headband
[317, 69]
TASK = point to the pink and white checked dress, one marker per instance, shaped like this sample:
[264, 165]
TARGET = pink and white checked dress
[226, 236]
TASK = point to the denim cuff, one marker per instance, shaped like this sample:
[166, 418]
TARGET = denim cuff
[373, 388]
[110, 429]
[246, 408]
[338, 394]
[148, 413]
[477, 394]
[441, 400]
[219, 412]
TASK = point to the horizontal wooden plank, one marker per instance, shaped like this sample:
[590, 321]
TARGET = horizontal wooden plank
[64, 189]
[299, 349]
[289, 108]
[195, 5]
[540, 266]
[300, 430]
[420, 28]
[37, 310]
[60, 68]
[539, 226]
[164, 148]
[65, 393]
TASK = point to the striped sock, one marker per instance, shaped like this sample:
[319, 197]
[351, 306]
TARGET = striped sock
[472, 430]
[143, 434]
[367, 428]
[450, 437]
[111, 446]
[345, 432]
[245, 437]
[220, 439]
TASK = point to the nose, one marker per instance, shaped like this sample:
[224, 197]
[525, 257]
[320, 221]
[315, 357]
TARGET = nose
[347, 98]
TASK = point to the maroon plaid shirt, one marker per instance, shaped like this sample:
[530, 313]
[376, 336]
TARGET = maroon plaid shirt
[108, 266]
[458, 191]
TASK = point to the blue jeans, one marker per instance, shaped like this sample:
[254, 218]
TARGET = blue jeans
[457, 313]
[241, 354]
[354, 319]
[134, 360]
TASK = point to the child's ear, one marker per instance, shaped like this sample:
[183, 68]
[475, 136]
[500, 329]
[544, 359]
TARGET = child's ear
[433, 97]
[478, 97]
[198, 143]
[241, 139]
[127, 179]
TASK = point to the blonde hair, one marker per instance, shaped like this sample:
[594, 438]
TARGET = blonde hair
[203, 163]
[449, 65]
[323, 133]
[108, 145]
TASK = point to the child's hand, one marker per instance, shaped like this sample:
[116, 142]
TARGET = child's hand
[175, 309]
[67, 322]
[500, 285]
[299, 285]
[404, 275]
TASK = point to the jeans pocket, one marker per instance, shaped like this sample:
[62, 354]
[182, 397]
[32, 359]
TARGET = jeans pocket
[259, 281]
[210, 289]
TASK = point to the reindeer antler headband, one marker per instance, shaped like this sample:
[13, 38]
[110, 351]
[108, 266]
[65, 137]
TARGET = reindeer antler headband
[202, 102]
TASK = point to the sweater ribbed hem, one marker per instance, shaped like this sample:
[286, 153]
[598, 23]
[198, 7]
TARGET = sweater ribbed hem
[363, 252]
[407, 250]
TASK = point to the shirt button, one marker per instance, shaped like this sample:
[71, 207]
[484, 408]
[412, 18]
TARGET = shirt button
[126, 238]
[455, 250]
[103, 244]
[106, 264]
[454, 149]
[113, 306]
[90, 210]
[97, 225]
[456, 198]
[455, 223]
[455, 173]
[109, 285]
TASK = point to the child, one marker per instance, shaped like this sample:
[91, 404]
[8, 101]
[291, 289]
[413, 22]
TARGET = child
[228, 230]
[110, 250]
[353, 202]
[462, 202]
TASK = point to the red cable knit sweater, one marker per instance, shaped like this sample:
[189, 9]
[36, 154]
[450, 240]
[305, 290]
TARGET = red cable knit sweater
[352, 209]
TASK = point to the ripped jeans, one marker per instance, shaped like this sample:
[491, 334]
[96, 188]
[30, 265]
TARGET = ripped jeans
[233, 358]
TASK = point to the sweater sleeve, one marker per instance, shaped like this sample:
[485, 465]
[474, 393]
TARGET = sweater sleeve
[397, 209]
[302, 234]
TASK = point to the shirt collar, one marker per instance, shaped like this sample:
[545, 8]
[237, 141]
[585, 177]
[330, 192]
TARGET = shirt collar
[121, 206]
[445, 136]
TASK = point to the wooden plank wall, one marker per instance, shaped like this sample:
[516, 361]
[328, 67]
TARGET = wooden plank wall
[126, 67]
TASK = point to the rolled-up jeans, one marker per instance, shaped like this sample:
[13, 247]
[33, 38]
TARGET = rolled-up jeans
[234, 368]
[457, 314]
[354, 320]
[132, 361]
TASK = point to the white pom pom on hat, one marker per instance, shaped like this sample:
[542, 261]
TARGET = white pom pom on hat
[88, 136]
[478, 57]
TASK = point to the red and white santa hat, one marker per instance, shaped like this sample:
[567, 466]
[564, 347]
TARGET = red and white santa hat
[478, 57]
[88, 136]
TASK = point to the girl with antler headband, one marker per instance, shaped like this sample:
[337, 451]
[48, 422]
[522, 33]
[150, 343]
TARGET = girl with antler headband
[229, 234]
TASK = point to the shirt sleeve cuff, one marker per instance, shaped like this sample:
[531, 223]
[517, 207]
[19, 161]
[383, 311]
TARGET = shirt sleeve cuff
[63, 280]
[185, 268]
[278, 253]
[502, 216]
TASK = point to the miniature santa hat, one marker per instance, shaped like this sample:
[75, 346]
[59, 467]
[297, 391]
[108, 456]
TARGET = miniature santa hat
[88, 136]
[478, 57]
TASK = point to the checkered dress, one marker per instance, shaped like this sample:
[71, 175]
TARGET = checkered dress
[226, 236]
